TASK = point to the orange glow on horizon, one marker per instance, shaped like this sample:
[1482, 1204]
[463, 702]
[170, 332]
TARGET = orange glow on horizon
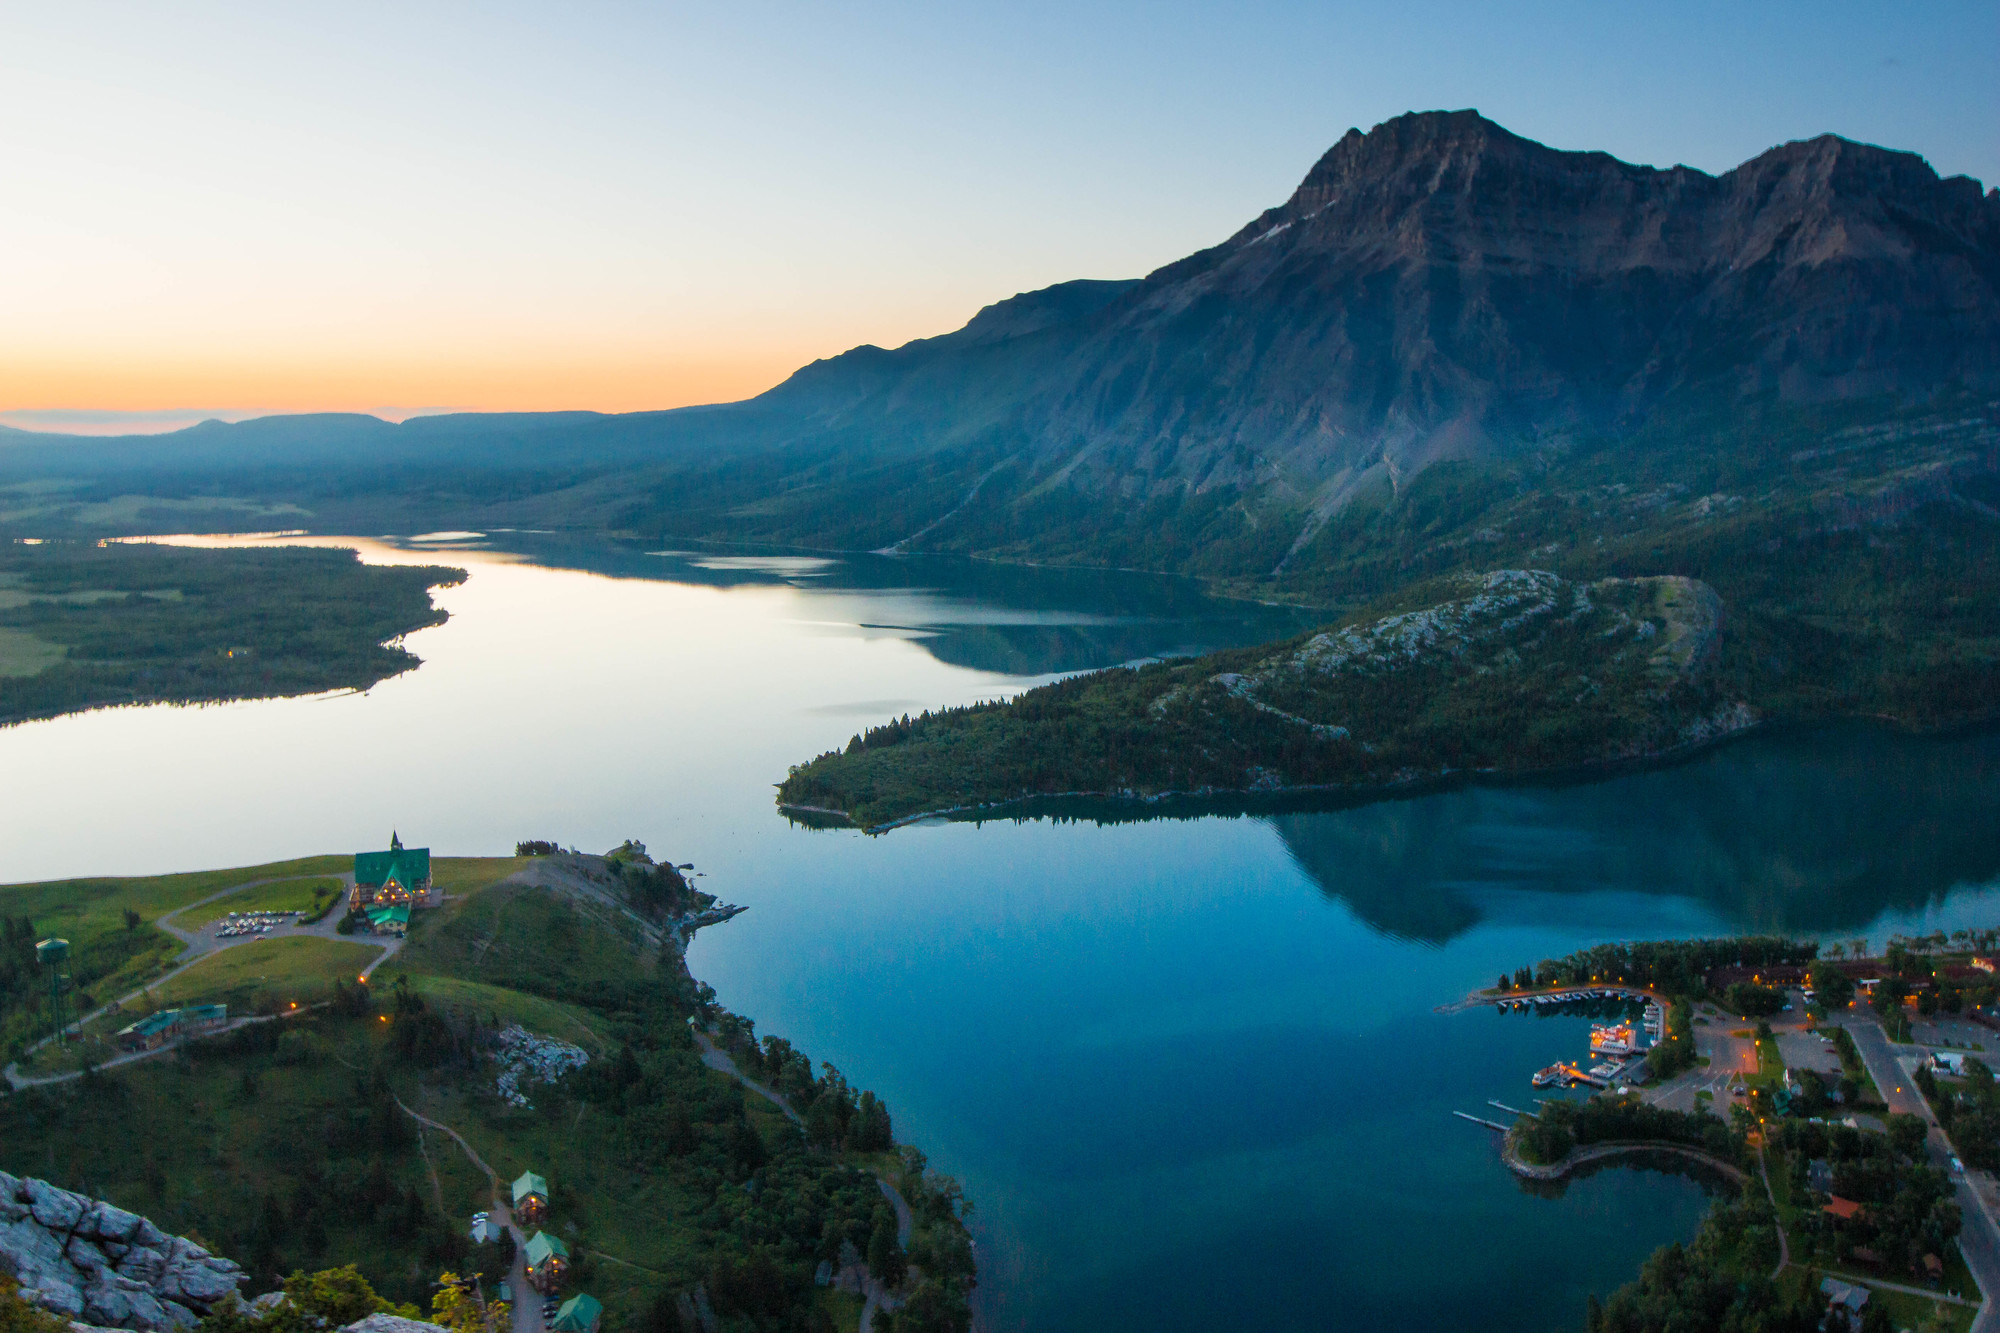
[617, 383]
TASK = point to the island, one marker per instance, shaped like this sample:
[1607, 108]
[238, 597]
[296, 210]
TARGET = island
[87, 624]
[505, 1088]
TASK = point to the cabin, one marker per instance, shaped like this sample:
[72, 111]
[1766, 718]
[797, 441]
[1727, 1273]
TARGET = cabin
[1845, 1210]
[151, 1032]
[400, 876]
[547, 1259]
[390, 920]
[1846, 1297]
[578, 1314]
[156, 1030]
[531, 1199]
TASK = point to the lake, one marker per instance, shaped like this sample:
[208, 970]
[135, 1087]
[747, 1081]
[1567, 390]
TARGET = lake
[1191, 1070]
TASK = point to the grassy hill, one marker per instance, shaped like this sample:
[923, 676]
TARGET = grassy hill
[286, 1143]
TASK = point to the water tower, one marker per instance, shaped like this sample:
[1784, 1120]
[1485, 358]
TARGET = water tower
[53, 955]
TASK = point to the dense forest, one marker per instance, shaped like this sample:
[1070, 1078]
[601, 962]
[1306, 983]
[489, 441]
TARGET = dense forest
[1510, 671]
[83, 625]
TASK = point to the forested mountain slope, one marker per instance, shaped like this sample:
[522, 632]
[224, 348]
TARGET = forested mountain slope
[1437, 291]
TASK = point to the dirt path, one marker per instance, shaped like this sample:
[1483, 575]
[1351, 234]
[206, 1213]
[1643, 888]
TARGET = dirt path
[1784, 1245]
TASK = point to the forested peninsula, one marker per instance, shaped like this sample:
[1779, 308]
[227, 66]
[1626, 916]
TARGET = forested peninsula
[89, 624]
[1511, 671]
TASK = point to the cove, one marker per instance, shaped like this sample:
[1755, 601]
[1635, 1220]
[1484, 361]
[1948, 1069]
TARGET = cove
[1191, 1070]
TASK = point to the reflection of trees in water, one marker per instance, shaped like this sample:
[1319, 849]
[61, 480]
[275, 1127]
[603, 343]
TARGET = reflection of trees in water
[1125, 616]
[1714, 1183]
[1783, 833]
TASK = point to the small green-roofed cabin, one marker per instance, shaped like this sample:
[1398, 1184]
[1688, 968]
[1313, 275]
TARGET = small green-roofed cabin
[398, 875]
[579, 1314]
[390, 920]
[151, 1032]
[547, 1259]
[531, 1199]
[203, 1017]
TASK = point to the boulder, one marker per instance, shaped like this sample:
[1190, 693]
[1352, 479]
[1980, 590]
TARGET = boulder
[57, 1209]
[143, 1264]
[390, 1323]
[85, 1256]
[109, 1222]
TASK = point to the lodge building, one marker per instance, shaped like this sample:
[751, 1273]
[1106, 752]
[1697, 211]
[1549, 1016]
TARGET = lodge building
[399, 877]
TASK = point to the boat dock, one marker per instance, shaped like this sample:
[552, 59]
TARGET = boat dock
[1477, 1121]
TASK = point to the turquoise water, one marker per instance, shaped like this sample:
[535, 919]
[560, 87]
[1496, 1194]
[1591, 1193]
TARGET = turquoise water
[1191, 1070]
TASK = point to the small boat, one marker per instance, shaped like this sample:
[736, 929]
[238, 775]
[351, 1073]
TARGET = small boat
[1554, 1076]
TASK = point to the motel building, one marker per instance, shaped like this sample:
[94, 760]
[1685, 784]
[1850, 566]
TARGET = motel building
[578, 1314]
[531, 1200]
[548, 1261]
[156, 1030]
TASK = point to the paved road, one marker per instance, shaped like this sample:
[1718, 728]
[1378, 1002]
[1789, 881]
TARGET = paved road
[1979, 1240]
[198, 946]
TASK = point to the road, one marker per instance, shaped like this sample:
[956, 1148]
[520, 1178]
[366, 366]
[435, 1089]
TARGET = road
[1979, 1238]
[198, 946]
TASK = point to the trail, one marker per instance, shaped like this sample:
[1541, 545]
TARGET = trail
[877, 1296]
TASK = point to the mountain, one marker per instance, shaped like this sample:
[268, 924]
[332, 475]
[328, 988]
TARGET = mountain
[1443, 313]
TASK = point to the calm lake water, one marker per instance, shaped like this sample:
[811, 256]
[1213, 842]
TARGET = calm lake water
[1191, 1070]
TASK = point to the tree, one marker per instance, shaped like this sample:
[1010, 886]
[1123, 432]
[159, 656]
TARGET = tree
[1832, 987]
[132, 919]
[885, 1253]
[1906, 1135]
[458, 1307]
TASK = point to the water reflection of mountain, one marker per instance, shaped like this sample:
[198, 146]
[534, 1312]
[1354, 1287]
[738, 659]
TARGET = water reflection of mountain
[1805, 833]
[1006, 619]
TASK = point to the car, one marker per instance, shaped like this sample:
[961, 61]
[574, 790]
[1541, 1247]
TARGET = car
[1957, 1167]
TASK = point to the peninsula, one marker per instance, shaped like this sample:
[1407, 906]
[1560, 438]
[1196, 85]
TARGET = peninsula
[507, 1076]
[86, 624]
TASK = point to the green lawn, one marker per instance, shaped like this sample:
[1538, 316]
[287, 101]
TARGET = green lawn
[280, 896]
[298, 967]
[566, 1021]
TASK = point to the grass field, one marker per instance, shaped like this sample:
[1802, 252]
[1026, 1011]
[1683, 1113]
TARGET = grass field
[109, 953]
[281, 896]
[566, 1021]
[300, 967]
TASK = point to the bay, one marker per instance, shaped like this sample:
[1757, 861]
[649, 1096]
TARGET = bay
[1191, 1070]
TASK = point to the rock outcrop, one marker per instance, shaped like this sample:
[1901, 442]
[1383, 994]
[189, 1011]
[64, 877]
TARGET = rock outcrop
[99, 1265]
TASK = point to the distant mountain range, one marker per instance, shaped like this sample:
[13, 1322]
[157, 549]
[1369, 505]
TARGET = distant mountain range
[1443, 313]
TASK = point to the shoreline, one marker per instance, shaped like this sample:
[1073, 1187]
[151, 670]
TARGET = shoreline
[1127, 806]
[1244, 799]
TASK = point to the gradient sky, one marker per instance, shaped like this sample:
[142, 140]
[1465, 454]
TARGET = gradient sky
[246, 208]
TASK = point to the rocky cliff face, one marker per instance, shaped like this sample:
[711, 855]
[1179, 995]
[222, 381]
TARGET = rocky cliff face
[98, 1264]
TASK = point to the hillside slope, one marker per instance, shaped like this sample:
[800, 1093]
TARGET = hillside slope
[1510, 671]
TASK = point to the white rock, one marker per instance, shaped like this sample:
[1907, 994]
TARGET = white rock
[54, 1208]
[107, 1222]
[389, 1323]
[143, 1264]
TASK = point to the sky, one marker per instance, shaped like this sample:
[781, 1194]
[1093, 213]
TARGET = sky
[236, 209]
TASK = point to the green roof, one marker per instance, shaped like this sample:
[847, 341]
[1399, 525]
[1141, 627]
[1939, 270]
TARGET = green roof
[543, 1247]
[400, 914]
[152, 1023]
[410, 866]
[530, 1183]
[204, 1013]
[579, 1314]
